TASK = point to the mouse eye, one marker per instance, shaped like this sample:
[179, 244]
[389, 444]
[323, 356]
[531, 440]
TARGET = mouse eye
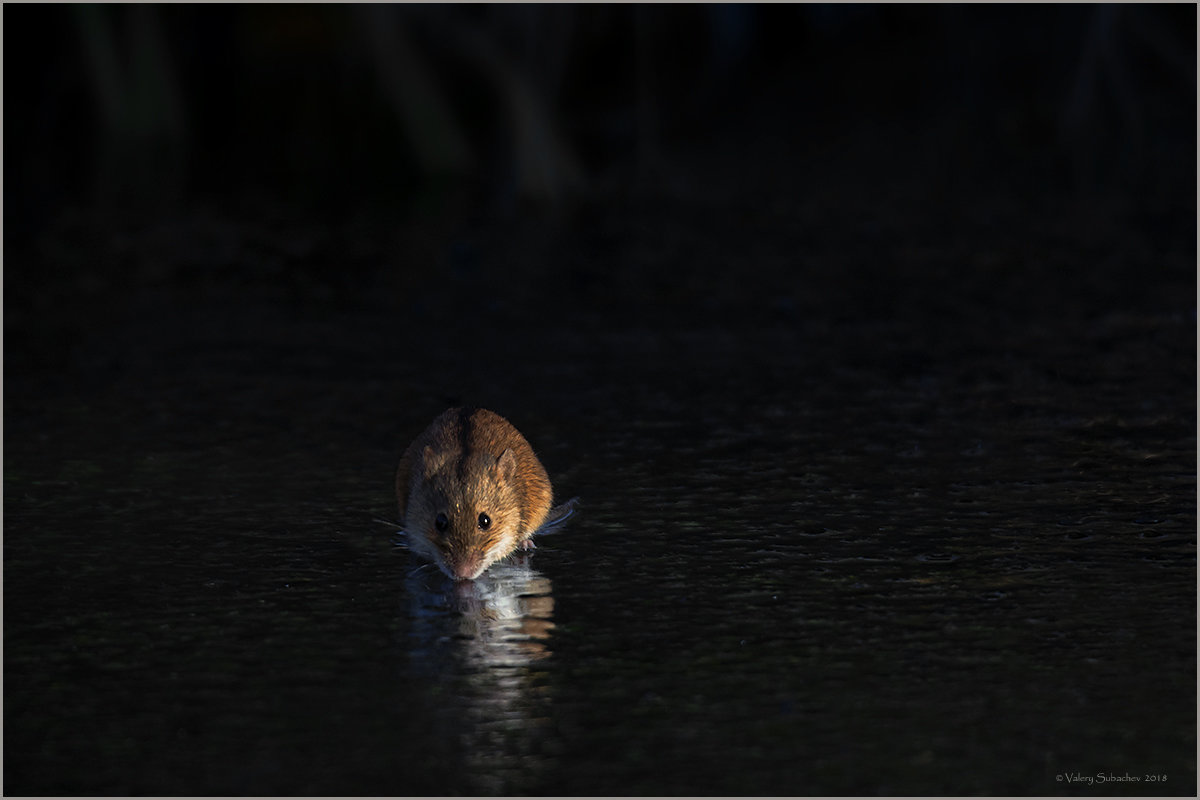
[484, 521]
[442, 522]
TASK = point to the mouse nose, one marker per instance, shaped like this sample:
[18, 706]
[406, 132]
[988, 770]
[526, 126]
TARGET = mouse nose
[467, 568]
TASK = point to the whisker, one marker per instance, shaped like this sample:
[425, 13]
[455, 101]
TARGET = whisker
[416, 572]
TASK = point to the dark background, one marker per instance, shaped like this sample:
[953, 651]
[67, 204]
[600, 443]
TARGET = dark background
[845, 280]
[281, 125]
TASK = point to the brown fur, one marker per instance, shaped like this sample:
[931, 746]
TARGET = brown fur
[467, 462]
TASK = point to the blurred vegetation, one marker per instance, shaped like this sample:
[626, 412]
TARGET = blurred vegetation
[331, 106]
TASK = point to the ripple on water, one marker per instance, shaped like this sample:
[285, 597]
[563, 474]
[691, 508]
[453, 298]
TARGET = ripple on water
[937, 558]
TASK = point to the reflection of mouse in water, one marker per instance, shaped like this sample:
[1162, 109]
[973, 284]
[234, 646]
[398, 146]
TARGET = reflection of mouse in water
[471, 491]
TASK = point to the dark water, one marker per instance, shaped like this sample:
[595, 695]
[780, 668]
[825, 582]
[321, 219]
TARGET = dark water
[901, 511]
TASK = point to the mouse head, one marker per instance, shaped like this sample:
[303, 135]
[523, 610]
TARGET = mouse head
[466, 514]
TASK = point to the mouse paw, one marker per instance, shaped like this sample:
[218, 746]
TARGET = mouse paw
[527, 545]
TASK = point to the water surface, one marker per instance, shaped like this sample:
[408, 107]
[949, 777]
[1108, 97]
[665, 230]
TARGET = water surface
[880, 539]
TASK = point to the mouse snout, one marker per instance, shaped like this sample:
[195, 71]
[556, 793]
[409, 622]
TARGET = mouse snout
[467, 567]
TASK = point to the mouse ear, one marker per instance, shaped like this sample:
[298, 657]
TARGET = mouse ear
[506, 465]
[433, 461]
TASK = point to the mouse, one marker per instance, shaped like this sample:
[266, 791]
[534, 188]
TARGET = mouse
[471, 491]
